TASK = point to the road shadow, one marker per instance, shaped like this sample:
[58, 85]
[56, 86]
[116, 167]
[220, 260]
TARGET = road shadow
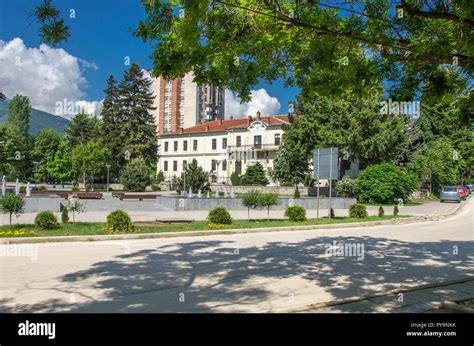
[214, 276]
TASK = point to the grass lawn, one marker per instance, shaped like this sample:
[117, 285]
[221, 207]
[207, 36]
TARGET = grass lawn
[95, 228]
[411, 202]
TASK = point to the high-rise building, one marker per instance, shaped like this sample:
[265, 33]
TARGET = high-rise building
[181, 103]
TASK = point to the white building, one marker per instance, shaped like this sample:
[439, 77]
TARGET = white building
[222, 146]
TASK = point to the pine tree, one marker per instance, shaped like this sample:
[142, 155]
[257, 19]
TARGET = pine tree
[136, 102]
[82, 129]
[112, 125]
[255, 175]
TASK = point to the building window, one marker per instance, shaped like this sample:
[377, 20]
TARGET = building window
[224, 143]
[175, 145]
[185, 146]
[195, 145]
[257, 141]
[214, 144]
[165, 166]
[238, 167]
[185, 164]
[224, 165]
[238, 141]
[175, 166]
[213, 165]
[166, 146]
[277, 139]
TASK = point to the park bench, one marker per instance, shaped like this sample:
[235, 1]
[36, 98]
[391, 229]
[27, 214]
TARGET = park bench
[89, 195]
[138, 196]
[118, 194]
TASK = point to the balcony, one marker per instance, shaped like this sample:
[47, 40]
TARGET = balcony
[252, 147]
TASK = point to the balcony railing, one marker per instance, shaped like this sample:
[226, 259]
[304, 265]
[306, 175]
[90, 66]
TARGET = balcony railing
[252, 147]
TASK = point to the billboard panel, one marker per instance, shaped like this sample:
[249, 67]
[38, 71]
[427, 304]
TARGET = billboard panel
[328, 160]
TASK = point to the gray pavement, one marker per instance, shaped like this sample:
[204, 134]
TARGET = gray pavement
[262, 272]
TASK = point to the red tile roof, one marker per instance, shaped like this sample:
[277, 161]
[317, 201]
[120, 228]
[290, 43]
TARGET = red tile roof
[229, 124]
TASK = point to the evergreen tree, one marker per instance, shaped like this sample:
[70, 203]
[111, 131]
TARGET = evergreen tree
[18, 114]
[139, 128]
[135, 175]
[112, 125]
[194, 177]
[82, 129]
[255, 175]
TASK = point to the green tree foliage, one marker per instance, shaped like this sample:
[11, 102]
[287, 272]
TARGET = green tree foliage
[90, 160]
[12, 204]
[316, 46]
[18, 114]
[112, 124]
[18, 149]
[290, 166]
[384, 183]
[194, 177]
[252, 200]
[64, 216]
[255, 175]
[439, 164]
[60, 167]
[136, 103]
[46, 144]
[135, 175]
[82, 129]
[3, 154]
[268, 200]
[52, 29]
[75, 207]
[235, 178]
[160, 177]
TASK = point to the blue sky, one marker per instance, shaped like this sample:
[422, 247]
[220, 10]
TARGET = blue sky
[100, 35]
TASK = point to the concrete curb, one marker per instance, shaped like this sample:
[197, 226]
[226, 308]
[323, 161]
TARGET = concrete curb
[58, 239]
[453, 307]
[372, 296]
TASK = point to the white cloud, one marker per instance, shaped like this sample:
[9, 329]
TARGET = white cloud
[260, 101]
[48, 76]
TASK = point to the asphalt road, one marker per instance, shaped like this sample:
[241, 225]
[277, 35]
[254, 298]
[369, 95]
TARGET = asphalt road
[261, 272]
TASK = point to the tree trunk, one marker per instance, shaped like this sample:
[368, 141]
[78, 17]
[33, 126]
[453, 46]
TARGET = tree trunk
[10, 219]
[268, 213]
[248, 214]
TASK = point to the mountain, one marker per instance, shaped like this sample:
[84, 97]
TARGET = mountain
[38, 119]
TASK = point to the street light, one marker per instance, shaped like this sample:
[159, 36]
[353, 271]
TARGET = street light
[108, 169]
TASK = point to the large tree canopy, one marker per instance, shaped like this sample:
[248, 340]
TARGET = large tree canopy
[327, 47]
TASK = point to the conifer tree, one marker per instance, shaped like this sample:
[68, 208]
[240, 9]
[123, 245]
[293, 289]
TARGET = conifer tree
[139, 129]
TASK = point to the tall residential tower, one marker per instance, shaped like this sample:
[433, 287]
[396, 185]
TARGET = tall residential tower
[181, 103]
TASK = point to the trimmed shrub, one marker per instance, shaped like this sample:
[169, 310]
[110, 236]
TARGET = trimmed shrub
[22, 189]
[155, 187]
[65, 215]
[395, 210]
[381, 211]
[219, 215]
[384, 183]
[297, 193]
[331, 213]
[358, 210]
[42, 188]
[235, 178]
[46, 220]
[252, 200]
[268, 200]
[75, 188]
[255, 175]
[119, 221]
[296, 213]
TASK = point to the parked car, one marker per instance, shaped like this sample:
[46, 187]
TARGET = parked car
[469, 188]
[450, 193]
[463, 191]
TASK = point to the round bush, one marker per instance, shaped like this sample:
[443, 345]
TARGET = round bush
[46, 220]
[65, 215]
[384, 183]
[219, 215]
[296, 213]
[75, 188]
[42, 188]
[119, 221]
[381, 211]
[358, 210]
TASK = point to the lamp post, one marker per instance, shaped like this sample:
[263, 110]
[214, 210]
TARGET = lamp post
[108, 170]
